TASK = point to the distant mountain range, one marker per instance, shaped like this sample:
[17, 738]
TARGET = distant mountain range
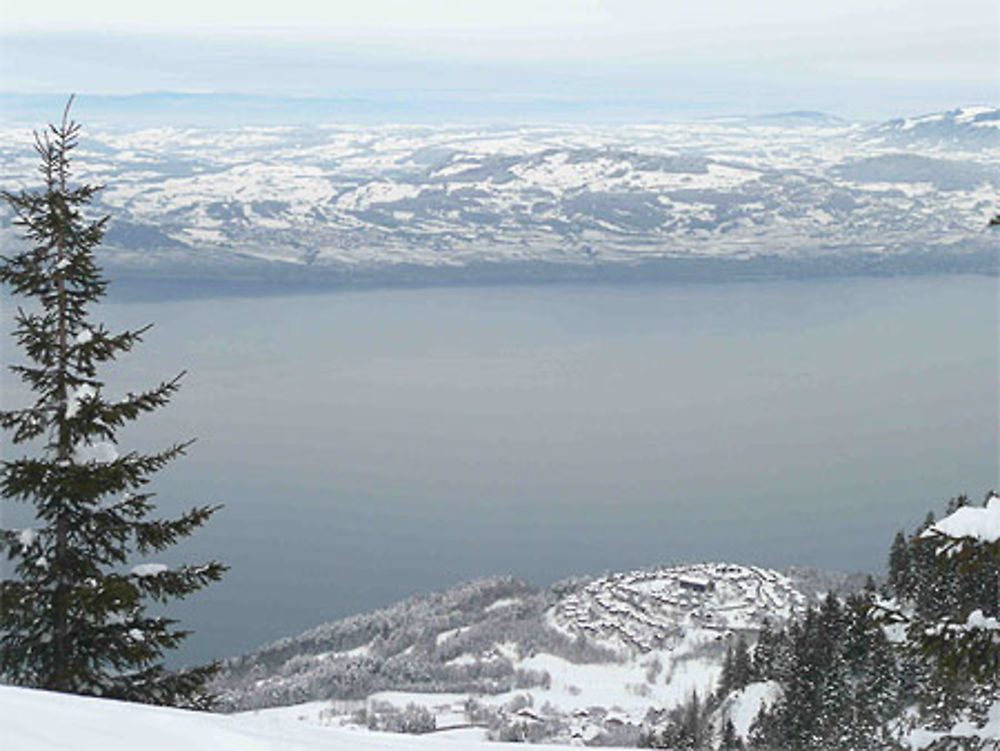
[962, 128]
[795, 193]
[214, 109]
[794, 118]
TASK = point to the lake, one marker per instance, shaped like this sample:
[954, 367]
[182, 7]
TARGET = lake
[374, 444]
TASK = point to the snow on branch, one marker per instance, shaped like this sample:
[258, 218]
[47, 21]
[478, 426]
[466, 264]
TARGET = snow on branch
[148, 569]
[981, 524]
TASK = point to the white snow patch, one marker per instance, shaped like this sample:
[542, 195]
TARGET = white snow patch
[620, 685]
[509, 650]
[969, 114]
[748, 702]
[463, 659]
[978, 523]
[977, 620]
[920, 738]
[363, 651]
[450, 633]
[377, 192]
[504, 603]
[148, 569]
[80, 394]
[621, 688]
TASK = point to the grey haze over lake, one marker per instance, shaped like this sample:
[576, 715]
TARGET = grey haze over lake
[370, 445]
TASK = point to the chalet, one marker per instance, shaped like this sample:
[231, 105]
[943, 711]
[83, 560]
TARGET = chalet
[696, 584]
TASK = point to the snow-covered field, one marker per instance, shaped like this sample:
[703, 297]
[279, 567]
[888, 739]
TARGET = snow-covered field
[43, 721]
[34, 720]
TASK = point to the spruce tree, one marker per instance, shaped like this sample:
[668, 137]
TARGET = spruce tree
[899, 564]
[764, 653]
[730, 741]
[742, 663]
[72, 612]
[727, 678]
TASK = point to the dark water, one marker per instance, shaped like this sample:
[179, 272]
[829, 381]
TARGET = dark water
[375, 444]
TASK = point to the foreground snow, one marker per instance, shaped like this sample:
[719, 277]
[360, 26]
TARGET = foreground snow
[43, 721]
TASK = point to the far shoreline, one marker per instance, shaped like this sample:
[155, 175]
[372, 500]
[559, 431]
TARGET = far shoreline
[272, 279]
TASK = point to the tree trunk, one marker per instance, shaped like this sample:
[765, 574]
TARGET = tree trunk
[60, 614]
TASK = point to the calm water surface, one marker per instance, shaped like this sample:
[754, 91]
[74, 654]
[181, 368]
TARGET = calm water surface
[369, 445]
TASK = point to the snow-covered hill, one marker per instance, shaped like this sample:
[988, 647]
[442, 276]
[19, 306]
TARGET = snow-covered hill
[796, 193]
[486, 659]
[585, 659]
[653, 609]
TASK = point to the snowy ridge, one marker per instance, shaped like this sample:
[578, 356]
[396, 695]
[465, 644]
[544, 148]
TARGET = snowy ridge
[961, 128]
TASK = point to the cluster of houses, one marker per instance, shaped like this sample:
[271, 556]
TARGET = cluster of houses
[653, 609]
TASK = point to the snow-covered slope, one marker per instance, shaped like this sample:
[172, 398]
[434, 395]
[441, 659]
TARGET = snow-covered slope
[648, 637]
[587, 660]
[796, 192]
[33, 720]
[44, 721]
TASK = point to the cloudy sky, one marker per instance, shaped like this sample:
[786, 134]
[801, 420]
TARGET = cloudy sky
[858, 58]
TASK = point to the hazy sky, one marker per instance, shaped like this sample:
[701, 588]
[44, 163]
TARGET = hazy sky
[874, 56]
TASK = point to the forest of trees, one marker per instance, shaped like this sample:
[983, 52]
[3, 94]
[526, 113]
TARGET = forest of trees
[863, 672]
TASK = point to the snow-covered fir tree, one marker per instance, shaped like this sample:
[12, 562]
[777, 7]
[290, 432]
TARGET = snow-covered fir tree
[73, 613]
[949, 614]
[917, 667]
